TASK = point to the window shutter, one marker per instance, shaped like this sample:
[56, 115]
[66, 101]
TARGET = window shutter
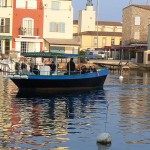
[7, 25]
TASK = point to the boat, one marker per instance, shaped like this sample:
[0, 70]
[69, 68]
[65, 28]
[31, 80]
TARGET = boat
[58, 81]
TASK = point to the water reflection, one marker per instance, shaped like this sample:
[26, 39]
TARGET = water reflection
[73, 120]
[44, 122]
[103, 147]
[134, 104]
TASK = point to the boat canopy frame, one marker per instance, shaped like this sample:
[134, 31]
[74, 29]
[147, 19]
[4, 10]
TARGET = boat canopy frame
[52, 54]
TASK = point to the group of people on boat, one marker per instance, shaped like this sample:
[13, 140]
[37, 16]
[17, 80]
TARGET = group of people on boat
[71, 68]
[84, 69]
[22, 68]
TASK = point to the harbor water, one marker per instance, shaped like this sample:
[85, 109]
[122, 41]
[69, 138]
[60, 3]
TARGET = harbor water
[72, 121]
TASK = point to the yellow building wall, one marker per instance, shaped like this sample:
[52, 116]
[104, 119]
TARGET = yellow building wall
[87, 41]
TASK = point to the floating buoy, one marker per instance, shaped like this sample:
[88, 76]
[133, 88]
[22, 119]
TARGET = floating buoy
[104, 138]
[121, 77]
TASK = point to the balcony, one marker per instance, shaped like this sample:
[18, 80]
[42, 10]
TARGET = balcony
[28, 32]
[5, 29]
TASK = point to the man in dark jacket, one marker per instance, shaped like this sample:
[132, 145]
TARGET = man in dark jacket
[70, 66]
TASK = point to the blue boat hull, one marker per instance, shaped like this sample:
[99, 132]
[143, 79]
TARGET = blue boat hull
[62, 82]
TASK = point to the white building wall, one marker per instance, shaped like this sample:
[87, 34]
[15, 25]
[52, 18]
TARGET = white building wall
[63, 14]
[7, 12]
[87, 19]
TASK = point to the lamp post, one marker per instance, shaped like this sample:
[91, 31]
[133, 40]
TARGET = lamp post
[97, 11]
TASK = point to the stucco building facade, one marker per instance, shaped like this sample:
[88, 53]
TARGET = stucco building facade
[93, 33]
[136, 19]
[27, 25]
[135, 24]
[37, 25]
[6, 9]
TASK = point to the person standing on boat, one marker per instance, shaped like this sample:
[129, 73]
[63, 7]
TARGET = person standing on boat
[17, 67]
[70, 66]
[53, 67]
[36, 70]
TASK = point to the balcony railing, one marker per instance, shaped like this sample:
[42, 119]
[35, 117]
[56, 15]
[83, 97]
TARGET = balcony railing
[29, 31]
[5, 29]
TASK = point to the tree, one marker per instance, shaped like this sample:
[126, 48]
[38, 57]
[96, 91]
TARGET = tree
[82, 59]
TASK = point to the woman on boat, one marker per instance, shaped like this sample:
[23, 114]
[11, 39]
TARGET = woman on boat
[93, 68]
[83, 69]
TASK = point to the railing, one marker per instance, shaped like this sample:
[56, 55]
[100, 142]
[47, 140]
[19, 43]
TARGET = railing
[5, 67]
[29, 31]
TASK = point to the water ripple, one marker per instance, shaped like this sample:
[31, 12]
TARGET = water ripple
[68, 121]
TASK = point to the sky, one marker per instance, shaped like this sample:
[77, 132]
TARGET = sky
[109, 10]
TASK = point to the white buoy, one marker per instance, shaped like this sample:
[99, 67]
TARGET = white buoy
[104, 138]
[121, 77]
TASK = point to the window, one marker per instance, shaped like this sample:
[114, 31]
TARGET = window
[7, 46]
[24, 47]
[103, 42]
[57, 49]
[3, 3]
[61, 27]
[28, 26]
[4, 25]
[28, 47]
[55, 5]
[137, 20]
[57, 27]
[32, 4]
[95, 41]
[137, 35]
[20, 3]
[2, 21]
[112, 41]
[53, 27]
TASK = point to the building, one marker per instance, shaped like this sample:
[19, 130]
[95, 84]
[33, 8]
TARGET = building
[27, 25]
[32, 26]
[6, 9]
[58, 27]
[135, 30]
[37, 25]
[135, 24]
[96, 34]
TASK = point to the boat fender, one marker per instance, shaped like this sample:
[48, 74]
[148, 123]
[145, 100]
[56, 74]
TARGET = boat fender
[17, 76]
[23, 76]
[10, 76]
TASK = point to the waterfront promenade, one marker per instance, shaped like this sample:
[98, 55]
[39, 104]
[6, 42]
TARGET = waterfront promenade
[117, 64]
